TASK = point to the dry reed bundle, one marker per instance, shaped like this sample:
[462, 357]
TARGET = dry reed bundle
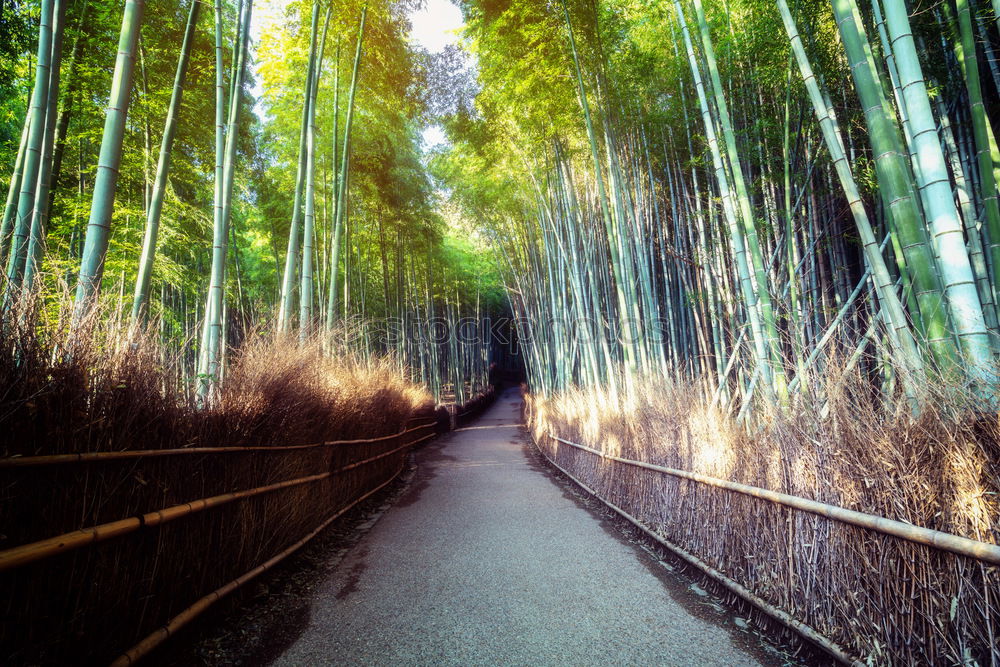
[886, 600]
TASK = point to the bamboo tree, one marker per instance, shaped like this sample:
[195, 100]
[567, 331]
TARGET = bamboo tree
[775, 372]
[954, 265]
[65, 111]
[901, 335]
[965, 51]
[208, 371]
[287, 303]
[106, 181]
[308, 234]
[342, 179]
[750, 295]
[148, 257]
[14, 190]
[895, 185]
[220, 149]
[33, 151]
[40, 212]
[619, 280]
[971, 222]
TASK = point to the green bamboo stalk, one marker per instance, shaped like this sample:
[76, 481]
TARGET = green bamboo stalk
[904, 345]
[287, 303]
[208, 372]
[105, 183]
[308, 231]
[40, 214]
[147, 259]
[954, 265]
[14, 190]
[220, 149]
[618, 277]
[750, 295]
[965, 51]
[971, 222]
[774, 374]
[892, 167]
[33, 155]
[342, 179]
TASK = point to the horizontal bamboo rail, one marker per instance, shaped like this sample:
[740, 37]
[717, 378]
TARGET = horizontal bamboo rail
[782, 617]
[180, 620]
[963, 546]
[94, 457]
[34, 551]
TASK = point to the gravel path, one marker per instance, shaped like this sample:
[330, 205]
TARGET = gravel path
[486, 560]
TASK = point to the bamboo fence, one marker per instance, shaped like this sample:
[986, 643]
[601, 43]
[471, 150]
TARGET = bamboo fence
[226, 515]
[863, 588]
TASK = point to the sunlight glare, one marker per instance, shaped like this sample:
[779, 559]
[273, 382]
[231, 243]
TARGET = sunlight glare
[436, 25]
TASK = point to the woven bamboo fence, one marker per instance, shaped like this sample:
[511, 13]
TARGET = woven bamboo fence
[84, 584]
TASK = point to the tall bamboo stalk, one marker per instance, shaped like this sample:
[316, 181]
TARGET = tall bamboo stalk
[342, 179]
[148, 257]
[208, 371]
[954, 265]
[287, 302]
[892, 166]
[904, 344]
[105, 183]
[14, 191]
[308, 231]
[40, 213]
[33, 151]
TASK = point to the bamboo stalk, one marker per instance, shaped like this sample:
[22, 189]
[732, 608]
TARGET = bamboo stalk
[148, 257]
[106, 181]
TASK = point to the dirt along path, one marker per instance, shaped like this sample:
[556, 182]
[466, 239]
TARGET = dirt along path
[488, 560]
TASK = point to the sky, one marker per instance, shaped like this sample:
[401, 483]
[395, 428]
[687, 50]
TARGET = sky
[435, 27]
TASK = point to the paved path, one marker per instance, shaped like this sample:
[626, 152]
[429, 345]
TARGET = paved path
[485, 560]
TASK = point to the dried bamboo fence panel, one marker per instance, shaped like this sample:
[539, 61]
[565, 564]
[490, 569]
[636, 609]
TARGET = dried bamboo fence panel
[67, 592]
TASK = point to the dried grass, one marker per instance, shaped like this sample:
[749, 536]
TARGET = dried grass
[108, 391]
[881, 598]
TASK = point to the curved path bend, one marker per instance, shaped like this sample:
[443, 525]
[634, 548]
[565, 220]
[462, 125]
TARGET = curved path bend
[486, 560]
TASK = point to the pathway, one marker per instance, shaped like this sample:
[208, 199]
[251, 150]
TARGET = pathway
[486, 560]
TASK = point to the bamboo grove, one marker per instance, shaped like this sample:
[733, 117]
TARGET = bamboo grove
[740, 192]
[233, 178]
